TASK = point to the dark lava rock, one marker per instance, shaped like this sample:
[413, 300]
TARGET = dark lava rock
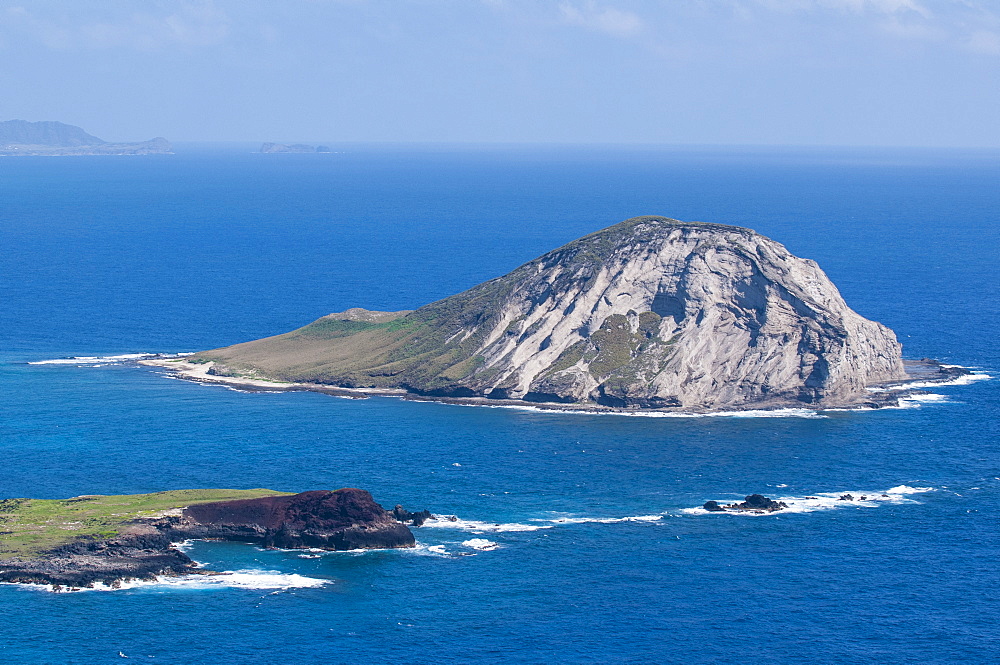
[344, 519]
[405, 516]
[713, 506]
[758, 502]
[143, 556]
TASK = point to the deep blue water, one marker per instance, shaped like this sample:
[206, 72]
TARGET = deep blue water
[213, 246]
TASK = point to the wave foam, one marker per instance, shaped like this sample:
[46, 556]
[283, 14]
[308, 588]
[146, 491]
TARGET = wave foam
[963, 380]
[752, 413]
[827, 501]
[918, 400]
[428, 550]
[452, 522]
[481, 544]
[106, 360]
[602, 520]
[906, 489]
[925, 398]
[234, 579]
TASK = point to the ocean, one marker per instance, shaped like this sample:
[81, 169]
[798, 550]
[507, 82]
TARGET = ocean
[578, 537]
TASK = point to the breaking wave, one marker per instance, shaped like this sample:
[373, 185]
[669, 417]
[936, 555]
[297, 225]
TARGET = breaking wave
[750, 413]
[963, 380]
[266, 580]
[475, 526]
[90, 361]
[826, 501]
[602, 520]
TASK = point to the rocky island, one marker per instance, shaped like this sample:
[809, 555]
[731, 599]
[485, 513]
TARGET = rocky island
[95, 539]
[273, 148]
[754, 503]
[19, 137]
[651, 313]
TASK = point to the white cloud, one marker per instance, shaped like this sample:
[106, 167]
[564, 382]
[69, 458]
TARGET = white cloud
[609, 20]
[186, 24]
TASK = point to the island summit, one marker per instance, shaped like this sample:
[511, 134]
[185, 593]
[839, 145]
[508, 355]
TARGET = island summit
[650, 314]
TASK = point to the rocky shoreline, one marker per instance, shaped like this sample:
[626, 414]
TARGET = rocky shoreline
[144, 549]
[881, 395]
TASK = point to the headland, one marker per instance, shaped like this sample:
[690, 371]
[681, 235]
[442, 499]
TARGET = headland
[93, 539]
[652, 314]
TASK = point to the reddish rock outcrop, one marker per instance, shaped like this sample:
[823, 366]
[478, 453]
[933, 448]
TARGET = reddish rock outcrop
[340, 520]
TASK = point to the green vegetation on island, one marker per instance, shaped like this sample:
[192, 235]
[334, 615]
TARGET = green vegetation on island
[29, 527]
[650, 313]
[433, 349]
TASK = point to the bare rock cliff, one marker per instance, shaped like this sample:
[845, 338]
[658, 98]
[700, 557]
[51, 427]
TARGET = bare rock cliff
[649, 313]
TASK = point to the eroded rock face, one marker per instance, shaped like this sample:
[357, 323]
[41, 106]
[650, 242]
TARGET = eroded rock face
[144, 553]
[649, 313]
[340, 520]
[692, 315]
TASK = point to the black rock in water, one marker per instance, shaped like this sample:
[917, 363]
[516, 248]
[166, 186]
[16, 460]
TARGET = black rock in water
[404, 516]
[758, 502]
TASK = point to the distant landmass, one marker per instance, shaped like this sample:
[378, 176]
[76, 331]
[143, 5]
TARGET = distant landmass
[269, 148]
[49, 138]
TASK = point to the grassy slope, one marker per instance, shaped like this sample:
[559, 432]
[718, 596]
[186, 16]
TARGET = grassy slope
[427, 349]
[31, 526]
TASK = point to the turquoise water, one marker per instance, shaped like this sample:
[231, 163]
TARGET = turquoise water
[213, 246]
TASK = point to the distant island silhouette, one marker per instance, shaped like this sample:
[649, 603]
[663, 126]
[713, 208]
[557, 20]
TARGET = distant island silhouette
[57, 139]
[271, 148]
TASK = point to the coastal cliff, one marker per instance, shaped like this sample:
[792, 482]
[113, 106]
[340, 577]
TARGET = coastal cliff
[650, 313]
[91, 540]
[347, 519]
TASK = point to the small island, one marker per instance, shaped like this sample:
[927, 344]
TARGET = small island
[57, 139]
[754, 503]
[273, 148]
[96, 539]
[650, 314]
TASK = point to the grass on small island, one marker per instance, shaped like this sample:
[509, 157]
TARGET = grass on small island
[29, 527]
[438, 348]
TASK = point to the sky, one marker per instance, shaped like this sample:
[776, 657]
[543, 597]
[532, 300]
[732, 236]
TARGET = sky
[757, 72]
